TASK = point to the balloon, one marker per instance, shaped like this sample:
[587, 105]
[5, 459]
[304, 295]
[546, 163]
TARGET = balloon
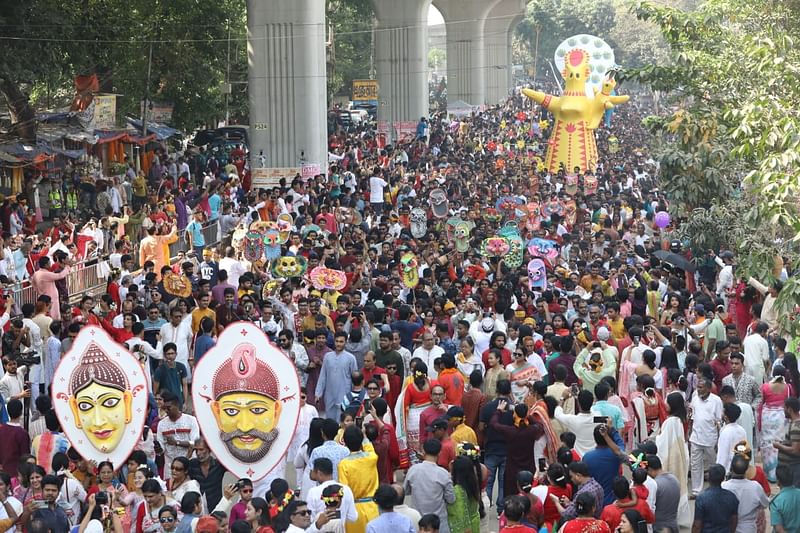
[662, 219]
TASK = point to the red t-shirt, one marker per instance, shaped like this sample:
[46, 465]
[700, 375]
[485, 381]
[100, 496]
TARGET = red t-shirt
[375, 373]
[448, 453]
[505, 356]
[518, 528]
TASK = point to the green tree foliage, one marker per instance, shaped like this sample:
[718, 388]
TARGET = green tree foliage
[436, 56]
[28, 56]
[350, 24]
[48, 42]
[729, 143]
[555, 20]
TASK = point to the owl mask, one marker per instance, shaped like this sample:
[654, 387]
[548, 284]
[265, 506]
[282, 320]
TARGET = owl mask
[253, 246]
[511, 233]
[439, 203]
[272, 244]
[461, 235]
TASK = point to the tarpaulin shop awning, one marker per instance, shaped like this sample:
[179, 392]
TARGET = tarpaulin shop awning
[159, 130]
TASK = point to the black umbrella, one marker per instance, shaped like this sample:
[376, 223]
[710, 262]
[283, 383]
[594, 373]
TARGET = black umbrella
[675, 260]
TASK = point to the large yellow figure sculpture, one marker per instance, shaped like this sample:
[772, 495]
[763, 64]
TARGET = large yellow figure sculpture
[577, 115]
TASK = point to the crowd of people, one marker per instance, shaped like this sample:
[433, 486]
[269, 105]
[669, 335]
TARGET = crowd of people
[470, 394]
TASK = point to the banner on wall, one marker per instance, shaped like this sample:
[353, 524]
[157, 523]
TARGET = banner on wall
[160, 112]
[266, 178]
[405, 131]
[309, 171]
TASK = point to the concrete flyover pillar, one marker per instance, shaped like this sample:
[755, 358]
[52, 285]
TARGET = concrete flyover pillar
[497, 35]
[401, 52]
[466, 55]
[287, 81]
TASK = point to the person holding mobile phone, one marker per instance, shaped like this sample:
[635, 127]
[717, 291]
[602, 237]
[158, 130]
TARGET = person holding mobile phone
[322, 472]
[519, 438]
[330, 519]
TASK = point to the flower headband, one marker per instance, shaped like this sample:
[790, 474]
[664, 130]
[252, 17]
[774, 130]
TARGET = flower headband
[286, 499]
[336, 498]
[473, 452]
[419, 374]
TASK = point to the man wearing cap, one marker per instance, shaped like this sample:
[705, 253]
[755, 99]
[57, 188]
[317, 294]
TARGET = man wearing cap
[459, 430]
[438, 430]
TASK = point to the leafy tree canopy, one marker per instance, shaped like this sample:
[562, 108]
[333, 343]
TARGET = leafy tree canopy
[48, 43]
[728, 144]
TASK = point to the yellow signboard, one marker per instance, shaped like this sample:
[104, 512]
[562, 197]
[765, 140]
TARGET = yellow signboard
[105, 111]
[365, 90]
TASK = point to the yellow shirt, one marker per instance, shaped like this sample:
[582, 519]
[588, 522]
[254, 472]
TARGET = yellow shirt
[199, 314]
[464, 433]
[617, 329]
[359, 471]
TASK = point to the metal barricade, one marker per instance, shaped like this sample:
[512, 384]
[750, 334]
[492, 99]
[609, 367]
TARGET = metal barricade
[211, 233]
[178, 246]
[84, 279]
[24, 293]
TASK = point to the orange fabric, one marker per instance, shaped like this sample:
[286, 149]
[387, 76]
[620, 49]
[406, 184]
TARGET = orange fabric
[85, 87]
[452, 382]
[147, 162]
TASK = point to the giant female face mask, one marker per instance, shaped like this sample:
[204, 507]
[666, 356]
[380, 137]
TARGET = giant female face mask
[537, 275]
